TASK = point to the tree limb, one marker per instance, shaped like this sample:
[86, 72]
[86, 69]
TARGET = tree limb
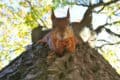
[98, 30]
[104, 4]
[98, 4]
[109, 43]
[99, 10]
[91, 7]
[88, 13]
[112, 33]
[104, 40]
[30, 4]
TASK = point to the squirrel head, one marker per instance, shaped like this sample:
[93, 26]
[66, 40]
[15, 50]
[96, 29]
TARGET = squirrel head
[60, 23]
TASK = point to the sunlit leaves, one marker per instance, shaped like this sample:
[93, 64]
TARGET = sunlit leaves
[36, 13]
[15, 32]
[1, 5]
[111, 57]
[1, 63]
[62, 3]
[112, 9]
[16, 23]
[24, 4]
[47, 8]
[29, 20]
[13, 39]
[1, 22]
[113, 13]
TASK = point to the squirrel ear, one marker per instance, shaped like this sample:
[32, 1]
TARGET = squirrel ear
[53, 15]
[68, 13]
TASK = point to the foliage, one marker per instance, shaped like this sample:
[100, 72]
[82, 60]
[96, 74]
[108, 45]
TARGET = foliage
[19, 17]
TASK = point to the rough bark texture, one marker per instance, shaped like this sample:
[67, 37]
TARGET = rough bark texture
[84, 64]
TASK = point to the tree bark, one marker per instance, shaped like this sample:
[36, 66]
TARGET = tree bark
[85, 64]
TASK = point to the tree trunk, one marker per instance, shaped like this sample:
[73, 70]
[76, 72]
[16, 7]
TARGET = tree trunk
[84, 64]
[36, 64]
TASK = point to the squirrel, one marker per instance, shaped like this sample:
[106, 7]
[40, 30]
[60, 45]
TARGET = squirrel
[78, 26]
[61, 38]
[37, 33]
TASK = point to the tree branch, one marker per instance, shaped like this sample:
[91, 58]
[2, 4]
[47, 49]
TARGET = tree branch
[98, 30]
[104, 4]
[108, 43]
[30, 4]
[98, 4]
[99, 10]
[104, 40]
[88, 12]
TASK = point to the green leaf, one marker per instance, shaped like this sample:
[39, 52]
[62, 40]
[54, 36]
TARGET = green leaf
[24, 4]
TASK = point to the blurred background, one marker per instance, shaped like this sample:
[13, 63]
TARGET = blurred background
[19, 17]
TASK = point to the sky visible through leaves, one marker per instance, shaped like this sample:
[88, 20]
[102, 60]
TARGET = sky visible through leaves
[18, 18]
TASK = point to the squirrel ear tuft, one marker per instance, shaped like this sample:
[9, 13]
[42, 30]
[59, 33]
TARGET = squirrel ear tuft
[53, 15]
[68, 13]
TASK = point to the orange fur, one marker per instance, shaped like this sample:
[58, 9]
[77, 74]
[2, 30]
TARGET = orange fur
[61, 38]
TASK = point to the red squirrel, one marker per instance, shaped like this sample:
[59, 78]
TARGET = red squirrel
[61, 38]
